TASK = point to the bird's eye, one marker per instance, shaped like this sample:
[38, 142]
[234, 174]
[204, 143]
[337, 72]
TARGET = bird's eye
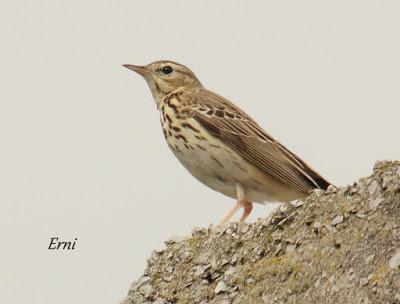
[167, 70]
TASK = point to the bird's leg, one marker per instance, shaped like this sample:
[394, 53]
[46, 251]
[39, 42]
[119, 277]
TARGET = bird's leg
[231, 213]
[241, 202]
[248, 206]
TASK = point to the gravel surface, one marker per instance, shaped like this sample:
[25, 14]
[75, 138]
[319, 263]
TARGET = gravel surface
[336, 246]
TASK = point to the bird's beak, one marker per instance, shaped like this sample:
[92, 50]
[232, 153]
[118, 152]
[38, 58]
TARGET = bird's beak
[138, 69]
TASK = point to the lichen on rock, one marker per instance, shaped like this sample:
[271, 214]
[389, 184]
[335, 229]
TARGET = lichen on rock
[336, 246]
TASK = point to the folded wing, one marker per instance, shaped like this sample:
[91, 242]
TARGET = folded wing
[241, 133]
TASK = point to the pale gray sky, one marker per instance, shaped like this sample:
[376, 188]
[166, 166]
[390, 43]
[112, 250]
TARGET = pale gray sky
[82, 153]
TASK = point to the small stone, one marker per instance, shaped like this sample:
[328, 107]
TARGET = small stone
[290, 248]
[329, 228]
[198, 231]
[317, 225]
[160, 249]
[297, 203]
[230, 271]
[283, 208]
[375, 202]
[378, 164]
[265, 298]
[229, 231]
[158, 301]
[278, 248]
[224, 262]
[369, 258]
[364, 281]
[199, 271]
[335, 288]
[318, 192]
[259, 251]
[386, 181]
[175, 239]
[331, 189]
[137, 298]
[142, 281]
[366, 300]
[373, 187]
[394, 262]
[214, 264]
[203, 258]
[337, 220]
[350, 275]
[221, 287]
[146, 290]
[226, 301]
[245, 229]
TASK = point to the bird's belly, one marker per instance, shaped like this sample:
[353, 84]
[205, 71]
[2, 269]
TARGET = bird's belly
[218, 166]
[213, 167]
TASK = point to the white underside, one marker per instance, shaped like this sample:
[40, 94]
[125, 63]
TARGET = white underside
[231, 171]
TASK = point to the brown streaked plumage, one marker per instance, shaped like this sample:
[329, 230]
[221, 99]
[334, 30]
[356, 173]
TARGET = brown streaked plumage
[221, 145]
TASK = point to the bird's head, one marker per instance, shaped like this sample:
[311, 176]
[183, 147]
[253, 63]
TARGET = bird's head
[165, 76]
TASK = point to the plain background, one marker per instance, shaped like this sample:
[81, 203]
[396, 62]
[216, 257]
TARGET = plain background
[82, 154]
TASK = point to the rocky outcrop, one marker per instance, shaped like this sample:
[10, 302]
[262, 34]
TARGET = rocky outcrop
[336, 246]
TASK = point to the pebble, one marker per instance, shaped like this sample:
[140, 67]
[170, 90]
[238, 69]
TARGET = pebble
[337, 220]
[364, 281]
[137, 298]
[375, 202]
[290, 248]
[221, 287]
[369, 258]
[199, 271]
[146, 290]
[203, 258]
[245, 229]
[175, 239]
[394, 262]
[373, 187]
[331, 189]
[297, 203]
[199, 231]
[142, 281]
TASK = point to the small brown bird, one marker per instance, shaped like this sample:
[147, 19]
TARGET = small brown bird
[220, 145]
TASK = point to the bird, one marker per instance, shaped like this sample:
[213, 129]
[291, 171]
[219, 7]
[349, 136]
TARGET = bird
[222, 146]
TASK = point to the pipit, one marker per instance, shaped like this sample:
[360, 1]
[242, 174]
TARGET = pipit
[222, 146]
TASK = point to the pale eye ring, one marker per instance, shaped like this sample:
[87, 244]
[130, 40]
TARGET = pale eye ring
[167, 70]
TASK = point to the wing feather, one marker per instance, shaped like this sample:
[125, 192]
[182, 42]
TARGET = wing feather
[253, 144]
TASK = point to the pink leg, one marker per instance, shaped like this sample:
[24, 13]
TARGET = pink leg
[241, 202]
[248, 206]
[231, 213]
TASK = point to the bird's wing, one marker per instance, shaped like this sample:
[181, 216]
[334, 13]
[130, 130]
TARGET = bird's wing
[235, 128]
